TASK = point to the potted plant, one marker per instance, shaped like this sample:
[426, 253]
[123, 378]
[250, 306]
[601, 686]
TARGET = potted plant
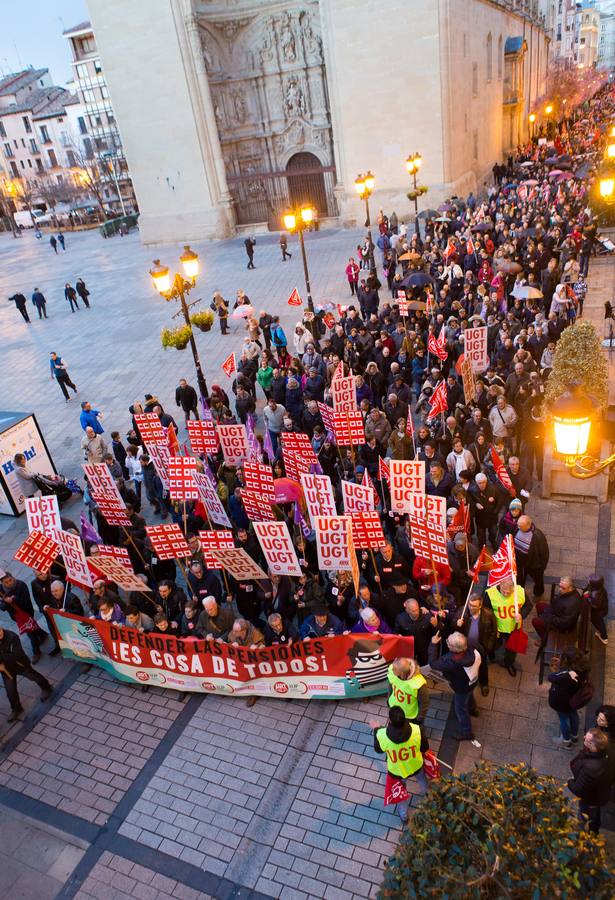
[203, 320]
[496, 832]
[176, 337]
[579, 359]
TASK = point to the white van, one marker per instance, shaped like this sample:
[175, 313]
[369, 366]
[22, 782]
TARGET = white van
[23, 219]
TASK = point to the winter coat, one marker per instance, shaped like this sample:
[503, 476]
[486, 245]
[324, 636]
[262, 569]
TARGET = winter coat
[456, 668]
[591, 781]
[563, 612]
[562, 688]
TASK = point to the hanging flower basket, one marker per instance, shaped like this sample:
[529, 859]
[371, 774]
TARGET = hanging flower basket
[176, 337]
[203, 320]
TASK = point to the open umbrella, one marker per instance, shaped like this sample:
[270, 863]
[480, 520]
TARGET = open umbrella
[527, 164]
[417, 279]
[555, 172]
[287, 490]
[443, 219]
[551, 160]
[242, 312]
[508, 266]
[527, 292]
[527, 232]
[410, 257]
[531, 182]
[428, 213]
[481, 227]
[565, 176]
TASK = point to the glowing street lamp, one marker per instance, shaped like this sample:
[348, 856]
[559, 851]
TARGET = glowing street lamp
[549, 109]
[413, 164]
[606, 187]
[298, 220]
[364, 186]
[176, 289]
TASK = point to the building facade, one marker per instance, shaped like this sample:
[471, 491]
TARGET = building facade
[97, 129]
[589, 33]
[252, 105]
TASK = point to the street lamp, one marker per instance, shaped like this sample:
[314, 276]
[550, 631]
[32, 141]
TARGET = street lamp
[364, 186]
[298, 220]
[572, 413]
[610, 152]
[413, 164]
[177, 289]
[532, 120]
[549, 109]
[606, 186]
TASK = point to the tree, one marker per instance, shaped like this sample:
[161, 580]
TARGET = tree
[497, 832]
[579, 359]
[90, 176]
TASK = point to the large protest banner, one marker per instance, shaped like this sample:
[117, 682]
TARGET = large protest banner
[407, 481]
[334, 668]
[475, 347]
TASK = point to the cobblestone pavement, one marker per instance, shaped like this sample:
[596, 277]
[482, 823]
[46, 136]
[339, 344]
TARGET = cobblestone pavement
[155, 795]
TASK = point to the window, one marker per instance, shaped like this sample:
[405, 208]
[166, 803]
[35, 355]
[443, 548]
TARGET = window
[39, 164]
[88, 96]
[82, 126]
[15, 144]
[2, 130]
[82, 71]
[97, 67]
[33, 146]
[110, 118]
[22, 164]
[23, 143]
[475, 144]
[44, 134]
[14, 169]
[60, 179]
[8, 150]
[582, 42]
[104, 93]
[475, 79]
[26, 124]
[30, 163]
[53, 161]
[500, 57]
[87, 45]
[489, 57]
[64, 138]
[87, 146]
[70, 156]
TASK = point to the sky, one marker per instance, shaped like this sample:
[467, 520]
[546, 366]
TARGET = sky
[31, 34]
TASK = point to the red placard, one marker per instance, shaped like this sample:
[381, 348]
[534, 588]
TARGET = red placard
[150, 428]
[333, 543]
[259, 478]
[299, 443]
[318, 492]
[295, 299]
[367, 533]
[113, 513]
[403, 306]
[295, 464]
[203, 436]
[38, 551]
[229, 366]
[212, 541]
[160, 455]
[277, 547]
[100, 482]
[357, 497]
[182, 485]
[326, 414]
[168, 541]
[348, 428]
[257, 507]
[234, 443]
[77, 571]
[344, 393]
[428, 540]
[113, 570]
[120, 553]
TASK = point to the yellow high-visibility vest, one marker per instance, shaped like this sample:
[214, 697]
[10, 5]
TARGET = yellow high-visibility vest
[504, 608]
[402, 759]
[405, 693]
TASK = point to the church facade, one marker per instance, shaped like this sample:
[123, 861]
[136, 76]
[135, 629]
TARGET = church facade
[232, 110]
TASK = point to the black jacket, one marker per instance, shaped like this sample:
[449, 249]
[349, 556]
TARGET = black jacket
[537, 556]
[563, 612]
[186, 397]
[12, 654]
[562, 688]
[420, 629]
[21, 596]
[453, 666]
[591, 780]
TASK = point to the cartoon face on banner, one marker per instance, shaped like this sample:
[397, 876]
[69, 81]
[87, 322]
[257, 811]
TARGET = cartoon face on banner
[203, 436]
[357, 497]
[43, 514]
[407, 480]
[150, 428]
[318, 492]
[38, 551]
[278, 548]
[234, 444]
[332, 542]
[475, 347]
[367, 664]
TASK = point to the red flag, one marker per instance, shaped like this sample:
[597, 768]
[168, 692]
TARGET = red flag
[500, 471]
[410, 426]
[368, 482]
[172, 442]
[451, 249]
[383, 471]
[394, 790]
[229, 366]
[295, 299]
[478, 565]
[435, 346]
[461, 521]
[470, 248]
[504, 562]
[439, 401]
[459, 363]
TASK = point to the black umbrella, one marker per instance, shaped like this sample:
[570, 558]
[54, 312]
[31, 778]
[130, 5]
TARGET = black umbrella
[428, 214]
[482, 226]
[418, 279]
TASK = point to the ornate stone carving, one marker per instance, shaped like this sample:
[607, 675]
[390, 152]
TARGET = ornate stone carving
[287, 39]
[294, 103]
[311, 41]
[229, 28]
[240, 109]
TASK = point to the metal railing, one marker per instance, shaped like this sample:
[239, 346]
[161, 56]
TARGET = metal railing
[263, 196]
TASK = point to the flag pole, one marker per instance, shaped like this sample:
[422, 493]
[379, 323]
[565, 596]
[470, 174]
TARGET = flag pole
[185, 574]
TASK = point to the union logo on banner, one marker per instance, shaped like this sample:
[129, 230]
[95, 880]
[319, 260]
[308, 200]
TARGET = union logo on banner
[295, 299]
[367, 533]
[348, 428]
[229, 366]
[168, 541]
[203, 436]
[215, 540]
[259, 479]
[150, 428]
[38, 551]
[181, 482]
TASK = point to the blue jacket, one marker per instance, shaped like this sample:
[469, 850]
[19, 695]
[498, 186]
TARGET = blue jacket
[311, 628]
[89, 417]
[38, 298]
[54, 364]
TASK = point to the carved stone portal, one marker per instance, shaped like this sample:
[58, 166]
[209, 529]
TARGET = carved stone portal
[267, 77]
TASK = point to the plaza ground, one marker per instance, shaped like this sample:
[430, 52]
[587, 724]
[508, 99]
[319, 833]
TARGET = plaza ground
[119, 794]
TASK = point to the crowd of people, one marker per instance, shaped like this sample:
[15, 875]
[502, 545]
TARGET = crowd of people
[515, 262]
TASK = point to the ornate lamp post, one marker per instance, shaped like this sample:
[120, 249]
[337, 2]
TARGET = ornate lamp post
[364, 186]
[573, 413]
[297, 221]
[413, 164]
[532, 120]
[177, 290]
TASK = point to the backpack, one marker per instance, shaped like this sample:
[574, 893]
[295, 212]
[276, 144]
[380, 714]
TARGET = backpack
[582, 696]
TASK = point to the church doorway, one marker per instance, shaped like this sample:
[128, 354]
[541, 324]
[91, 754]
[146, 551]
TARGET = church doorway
[306, 183]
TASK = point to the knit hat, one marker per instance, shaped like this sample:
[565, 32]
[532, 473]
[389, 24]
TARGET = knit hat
[515, 504]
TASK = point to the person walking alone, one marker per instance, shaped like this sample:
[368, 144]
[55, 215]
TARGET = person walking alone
[14, 662]
[71, 295]
[21, 304]
[38, 299]
[404, 744]
[53, 243]
[59, 371]
[249, 244]
[185, 396]
[284, 247]
[61, 240]
[83, 292]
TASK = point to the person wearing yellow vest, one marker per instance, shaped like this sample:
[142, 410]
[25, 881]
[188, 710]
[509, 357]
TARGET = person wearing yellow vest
[404, 744]
[507, 614]
[408, 689]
